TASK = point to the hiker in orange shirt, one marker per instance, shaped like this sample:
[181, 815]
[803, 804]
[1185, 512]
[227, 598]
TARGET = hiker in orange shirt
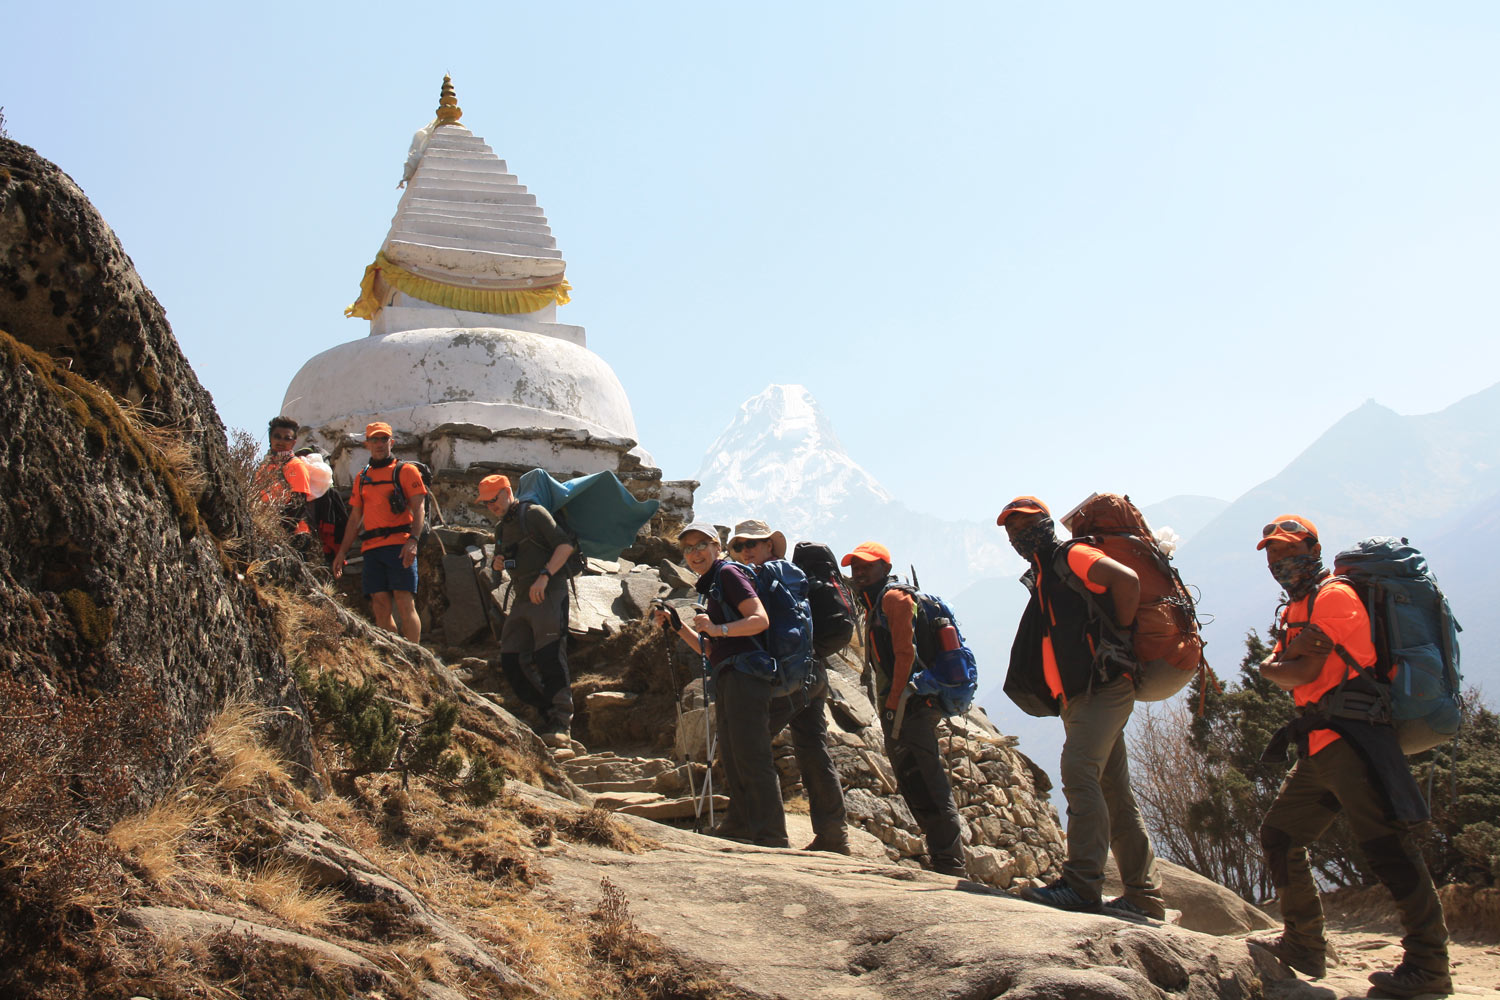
[908, 720]
[388, 536]
[284, 481]
[1324, 643]
[1073, 654]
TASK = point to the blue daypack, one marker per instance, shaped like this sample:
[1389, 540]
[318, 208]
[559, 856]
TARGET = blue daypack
[950, 675]
[1416, 638]
[786, 646]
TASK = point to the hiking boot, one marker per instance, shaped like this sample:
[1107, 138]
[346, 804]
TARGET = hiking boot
[1062, 896]
[833, 845]
[1140, 906]
[1406, 980]
[1312, 962]
[781, 842]
[729, 831]
[948, 866]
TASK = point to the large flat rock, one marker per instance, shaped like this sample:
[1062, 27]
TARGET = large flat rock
[797, 924]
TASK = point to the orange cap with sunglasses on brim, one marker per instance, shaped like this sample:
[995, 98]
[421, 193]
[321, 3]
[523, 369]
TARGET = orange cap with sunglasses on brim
[868, 552]
[377, 428]
[490, 487]
[1021, 505]
[1287, 528]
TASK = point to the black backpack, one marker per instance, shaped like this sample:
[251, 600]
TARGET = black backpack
[432, 513]
[832, 607]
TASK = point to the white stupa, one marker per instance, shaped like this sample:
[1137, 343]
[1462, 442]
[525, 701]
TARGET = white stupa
[465, 358]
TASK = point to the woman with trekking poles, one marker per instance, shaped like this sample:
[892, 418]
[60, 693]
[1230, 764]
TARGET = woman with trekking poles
[723, 633]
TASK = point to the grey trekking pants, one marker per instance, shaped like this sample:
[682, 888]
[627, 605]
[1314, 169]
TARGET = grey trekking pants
[923, 780]
[804, 711]
[1102, 814]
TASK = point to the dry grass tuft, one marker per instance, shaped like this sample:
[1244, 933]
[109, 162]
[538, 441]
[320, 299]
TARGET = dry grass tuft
[233, 738]
[280, 887]
[157, 839]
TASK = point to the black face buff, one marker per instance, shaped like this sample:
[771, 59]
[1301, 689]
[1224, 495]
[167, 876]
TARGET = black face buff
[1028, 541]
[1298, 575]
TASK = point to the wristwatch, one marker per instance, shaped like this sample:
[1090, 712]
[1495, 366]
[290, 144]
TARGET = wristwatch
[724, 629]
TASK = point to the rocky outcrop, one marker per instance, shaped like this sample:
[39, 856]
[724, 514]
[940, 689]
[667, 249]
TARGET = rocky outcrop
[797, 924]
[125, 530]
[68, 289]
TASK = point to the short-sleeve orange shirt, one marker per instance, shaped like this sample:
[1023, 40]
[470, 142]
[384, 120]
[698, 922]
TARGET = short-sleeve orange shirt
[1081, 559]
[376, 507]
[1341, 616]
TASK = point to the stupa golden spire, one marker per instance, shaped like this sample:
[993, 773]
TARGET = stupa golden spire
[448, 112]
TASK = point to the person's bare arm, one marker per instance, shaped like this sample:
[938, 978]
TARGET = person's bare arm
[554, 563]
[351, 532]
[1123, 585]
[1301, 662]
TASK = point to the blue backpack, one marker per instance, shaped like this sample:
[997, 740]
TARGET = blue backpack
[1416, 641]
[949, 674]
[786, 646]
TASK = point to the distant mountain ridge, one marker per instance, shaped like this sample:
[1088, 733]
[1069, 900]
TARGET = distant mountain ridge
[1433, 478]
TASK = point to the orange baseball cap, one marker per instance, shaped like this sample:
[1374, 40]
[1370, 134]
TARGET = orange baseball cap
[1021, 505]
[378, 427]
[868, 552]
[1287, 528]
[490, 487]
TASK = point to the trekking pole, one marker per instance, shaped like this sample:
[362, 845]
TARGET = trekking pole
[708, 734]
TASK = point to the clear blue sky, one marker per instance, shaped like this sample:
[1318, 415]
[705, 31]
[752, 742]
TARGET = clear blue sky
[1010, 247]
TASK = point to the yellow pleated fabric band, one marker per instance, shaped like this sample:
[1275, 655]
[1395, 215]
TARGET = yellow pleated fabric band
[505, 301]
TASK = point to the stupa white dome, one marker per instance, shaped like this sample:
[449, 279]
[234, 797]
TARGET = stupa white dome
[462, 301]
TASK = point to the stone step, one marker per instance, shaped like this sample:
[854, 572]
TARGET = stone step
[474, 246]
[473, 194]
[526, 213]
[445, 160]
[444, 140]
[519, 224]
[638, 785]
[681, 808]
[476, 230]
[440, 169]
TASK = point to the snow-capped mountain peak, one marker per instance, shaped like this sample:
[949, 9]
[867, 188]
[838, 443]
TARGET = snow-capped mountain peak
[781, 452]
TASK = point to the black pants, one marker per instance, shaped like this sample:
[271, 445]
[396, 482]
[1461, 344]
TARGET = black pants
[804, 711]
[923, 780]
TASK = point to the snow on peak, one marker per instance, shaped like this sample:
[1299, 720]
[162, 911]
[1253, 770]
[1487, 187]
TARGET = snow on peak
[781, 452]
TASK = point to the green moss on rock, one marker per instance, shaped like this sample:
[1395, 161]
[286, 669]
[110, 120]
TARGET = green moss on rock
[93, 623]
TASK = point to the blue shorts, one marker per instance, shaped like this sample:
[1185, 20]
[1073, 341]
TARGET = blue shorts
[383, 571]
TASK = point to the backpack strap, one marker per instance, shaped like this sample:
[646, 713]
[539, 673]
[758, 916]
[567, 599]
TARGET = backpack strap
[1366, 701]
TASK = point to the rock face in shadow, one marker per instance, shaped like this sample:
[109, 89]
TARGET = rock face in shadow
[124, 535]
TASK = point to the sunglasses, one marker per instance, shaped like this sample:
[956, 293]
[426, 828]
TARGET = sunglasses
[689, 550]
[1295, 527]
[740, 545]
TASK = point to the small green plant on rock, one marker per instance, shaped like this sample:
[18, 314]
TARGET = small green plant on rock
[379, 742]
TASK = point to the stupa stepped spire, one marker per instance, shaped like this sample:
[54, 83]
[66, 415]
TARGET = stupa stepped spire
[466, 233]
[465, 357]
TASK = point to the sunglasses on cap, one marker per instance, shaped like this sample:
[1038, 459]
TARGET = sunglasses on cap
[689, 550]
[741, 544]
[1295, 527]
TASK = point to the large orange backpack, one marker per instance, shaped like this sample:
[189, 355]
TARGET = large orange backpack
[1167, 642]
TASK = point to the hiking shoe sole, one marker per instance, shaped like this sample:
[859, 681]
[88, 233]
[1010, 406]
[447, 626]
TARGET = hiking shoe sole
[1310, 963]
[1061, 896]
[1122, 904]
[1407, 981]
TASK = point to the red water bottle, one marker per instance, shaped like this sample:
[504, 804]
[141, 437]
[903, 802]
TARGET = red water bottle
[948, 637]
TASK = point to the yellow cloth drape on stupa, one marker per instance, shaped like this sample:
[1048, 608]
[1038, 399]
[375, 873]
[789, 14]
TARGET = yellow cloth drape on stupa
[504, 301]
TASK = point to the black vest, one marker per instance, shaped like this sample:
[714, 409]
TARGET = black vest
[1088, 646]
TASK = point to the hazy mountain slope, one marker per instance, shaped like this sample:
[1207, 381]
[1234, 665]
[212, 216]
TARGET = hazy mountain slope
[1185, 514]
[1374, 472]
